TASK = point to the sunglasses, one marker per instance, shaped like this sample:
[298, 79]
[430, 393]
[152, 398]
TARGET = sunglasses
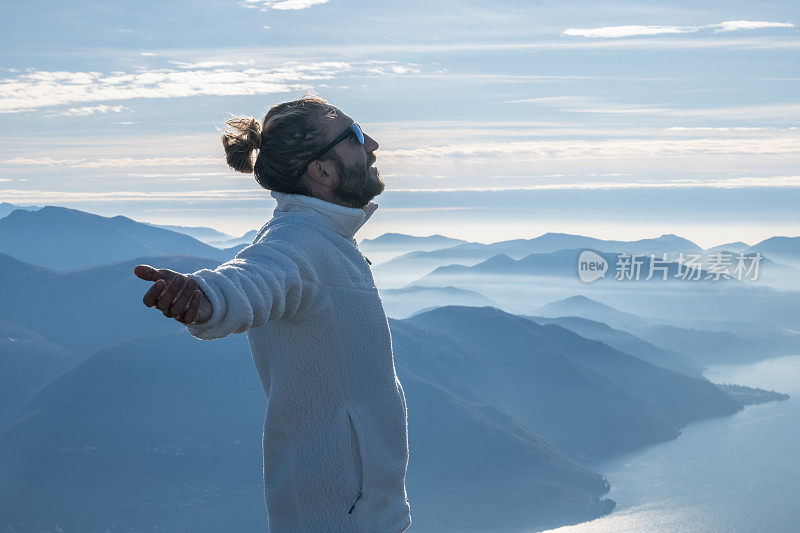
[352, 130]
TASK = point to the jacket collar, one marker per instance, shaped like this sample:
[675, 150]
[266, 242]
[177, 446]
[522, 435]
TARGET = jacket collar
[344, 220]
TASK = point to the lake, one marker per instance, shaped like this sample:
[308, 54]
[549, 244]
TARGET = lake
[737, 473]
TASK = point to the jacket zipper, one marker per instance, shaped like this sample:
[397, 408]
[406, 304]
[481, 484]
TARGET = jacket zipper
[362, 253]
[356, 448]
[354, 503]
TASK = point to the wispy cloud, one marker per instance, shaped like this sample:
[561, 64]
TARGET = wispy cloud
[734, 25]
[628, 31]
[588, 104]
[121, 162]
[613, 32]
[349, 51]
[728, 183]
[391, 67]
[39, 196]
[86, 111]
[283, 5]
[719, 128]
[578, 149]
[42, 196]
[196, 175]
[35, 89]
[212, 64]
[591, 104]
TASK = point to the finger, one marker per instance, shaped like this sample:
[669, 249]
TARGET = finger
[152, 295]
[181, 317]
[168, 296]
[179, 305]
[146, 272]
[190, 317]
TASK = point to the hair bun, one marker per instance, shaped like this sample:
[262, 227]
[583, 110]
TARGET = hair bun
[241, 136]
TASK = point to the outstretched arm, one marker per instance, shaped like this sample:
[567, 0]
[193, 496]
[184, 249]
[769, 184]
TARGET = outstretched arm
[261, 283]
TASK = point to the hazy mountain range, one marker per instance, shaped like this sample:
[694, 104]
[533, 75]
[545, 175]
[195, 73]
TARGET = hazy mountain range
[6, 208]
[781, 248]
[555, 254]
[746, 343]
[67, 239]
[88, 309]
[200, 233]
[210, 235]
[173, 424]
[179, 421]
[113, 417]
[526, 367]
[391, 245]
[27, 361]
[400, 303]
[627, 343]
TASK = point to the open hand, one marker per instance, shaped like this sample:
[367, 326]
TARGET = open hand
[175, 295]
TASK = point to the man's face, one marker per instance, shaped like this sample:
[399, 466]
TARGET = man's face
[358, 179]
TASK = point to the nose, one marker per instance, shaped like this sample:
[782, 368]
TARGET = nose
[370, 144]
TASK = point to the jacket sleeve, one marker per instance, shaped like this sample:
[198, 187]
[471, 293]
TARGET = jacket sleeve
[261, 283]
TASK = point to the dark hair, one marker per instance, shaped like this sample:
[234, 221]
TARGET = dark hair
[286, 140]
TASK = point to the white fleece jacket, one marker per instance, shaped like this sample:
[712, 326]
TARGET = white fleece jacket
[335, 431]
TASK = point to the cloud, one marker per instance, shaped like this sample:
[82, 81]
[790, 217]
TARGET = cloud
[613, 32]
[86, 111]
[589, 104]
[178, 175]
[734, 25]
[43, 196]
[283, 5]
[121, 162]
[212, 64]
[628, 31]
[716, 128]
[391, 67]
[266, 54]
[38, 196]
[725, 183]
[35, 89]
[583, 149]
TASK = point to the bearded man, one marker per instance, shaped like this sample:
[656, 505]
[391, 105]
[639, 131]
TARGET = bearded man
[335, 431]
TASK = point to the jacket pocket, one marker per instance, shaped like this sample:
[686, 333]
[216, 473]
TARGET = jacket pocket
[357, 465]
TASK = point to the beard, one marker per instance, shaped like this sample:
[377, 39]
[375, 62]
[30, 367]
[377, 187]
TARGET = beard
[356, 185]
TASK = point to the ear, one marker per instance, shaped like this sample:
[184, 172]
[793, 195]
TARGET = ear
[322, 172]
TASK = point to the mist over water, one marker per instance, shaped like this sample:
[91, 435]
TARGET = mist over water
[737, 473]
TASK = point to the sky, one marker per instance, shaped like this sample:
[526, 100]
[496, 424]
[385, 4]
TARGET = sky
[495, 120]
